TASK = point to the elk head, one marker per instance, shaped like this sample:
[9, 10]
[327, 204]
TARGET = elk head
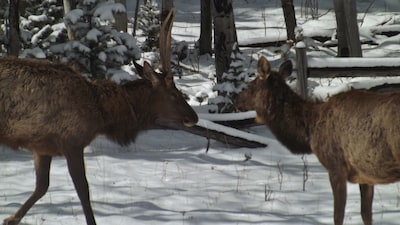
[258, 94]
[170, 103]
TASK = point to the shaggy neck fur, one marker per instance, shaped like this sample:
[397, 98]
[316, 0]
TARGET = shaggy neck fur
[286, 114]
[123, 111]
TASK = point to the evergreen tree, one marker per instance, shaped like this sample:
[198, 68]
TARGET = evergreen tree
[3, 9]
[149, 24]
[41, 26]
[98, 49]
[233, 82]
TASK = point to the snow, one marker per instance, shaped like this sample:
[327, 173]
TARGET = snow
[73, 16]
[93, 35]
[300, 44]
[233, 132]
[315, 62]
[227, 116]
[121, 49]
[125, 39]
[76, 44]
[36, 37]
[102, 56]
[38, 18]
[167, 177]
[34, 52]
[89, 2]
[105, 10]
[57, 30]
[328, 87]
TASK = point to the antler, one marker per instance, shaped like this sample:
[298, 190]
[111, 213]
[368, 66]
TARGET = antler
[165, 45]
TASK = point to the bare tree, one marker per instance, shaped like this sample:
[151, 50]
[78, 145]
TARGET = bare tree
[347, 28]
[13, 34]
[290, 18]
[121, 18]
[224, 35]
[205, 39]
[68, 6]
[136, 17]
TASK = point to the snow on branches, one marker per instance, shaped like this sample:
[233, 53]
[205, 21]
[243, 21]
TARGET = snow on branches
[149, 23]
[97, 47]
[233, 82]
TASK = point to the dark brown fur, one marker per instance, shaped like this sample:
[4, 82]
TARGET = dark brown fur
[353, 134]
[51, 110]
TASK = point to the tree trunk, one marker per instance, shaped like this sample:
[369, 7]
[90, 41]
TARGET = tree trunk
[167, 5]
[68, 6]
[290, 19]
[121, 18]
[136, 17]
[205, 28]
[224, 35]
[347, 28]
[13, 32]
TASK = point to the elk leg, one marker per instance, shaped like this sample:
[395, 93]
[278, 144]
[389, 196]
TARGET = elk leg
[42, 168]
[367, 196]
[76, 167]
[339, 189]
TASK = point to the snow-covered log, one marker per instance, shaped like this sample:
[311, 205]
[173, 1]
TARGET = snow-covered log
[353, 67]
[225, 134]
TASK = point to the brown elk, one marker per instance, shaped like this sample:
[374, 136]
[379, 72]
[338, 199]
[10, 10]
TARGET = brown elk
[354, 134]
[51, 110]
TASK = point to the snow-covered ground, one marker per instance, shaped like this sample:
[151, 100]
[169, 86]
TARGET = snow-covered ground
[167, 177]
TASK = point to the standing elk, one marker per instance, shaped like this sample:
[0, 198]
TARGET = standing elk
[355, 134]
[51, 110]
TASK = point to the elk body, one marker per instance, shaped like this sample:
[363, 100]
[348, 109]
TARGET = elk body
[354, 134]
[51, 110]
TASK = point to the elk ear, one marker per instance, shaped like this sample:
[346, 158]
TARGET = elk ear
[139, 68]
[263, 68]
[149, 74]
[286, 69]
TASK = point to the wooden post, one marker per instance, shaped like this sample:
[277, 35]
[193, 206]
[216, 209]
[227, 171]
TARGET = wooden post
[348, 35]
[302, 68]
[121, 18]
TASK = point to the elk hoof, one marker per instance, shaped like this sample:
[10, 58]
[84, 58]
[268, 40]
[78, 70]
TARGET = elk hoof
[11, 221]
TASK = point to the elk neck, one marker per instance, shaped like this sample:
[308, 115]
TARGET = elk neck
[287, 115]
[139, 95]
[122, 109]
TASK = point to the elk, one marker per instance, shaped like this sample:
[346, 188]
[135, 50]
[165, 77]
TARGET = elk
[354, 134]
[51, 110]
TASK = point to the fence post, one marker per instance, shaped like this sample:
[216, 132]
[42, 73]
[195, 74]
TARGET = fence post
[302, 68]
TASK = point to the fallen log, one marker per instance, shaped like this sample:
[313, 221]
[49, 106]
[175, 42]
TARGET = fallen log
[236, 120]
[354, 72]
[386, 87]
[221, 133]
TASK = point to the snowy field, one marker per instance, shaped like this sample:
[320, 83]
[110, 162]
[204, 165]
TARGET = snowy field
[167, 177]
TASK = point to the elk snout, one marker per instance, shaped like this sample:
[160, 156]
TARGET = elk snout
[191, 121]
